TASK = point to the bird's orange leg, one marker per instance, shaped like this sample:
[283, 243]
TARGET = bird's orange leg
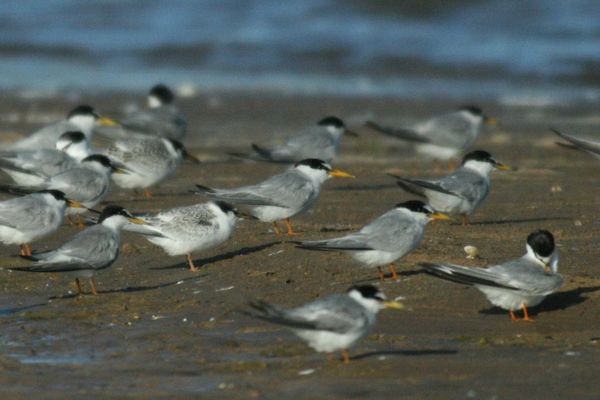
[147, 193]
[79, 289]
[22, 250]
[80, 222]
[193, 268]
[346, 356]
[94, 288]
[290, 230]
[513, 317]
[464, 219]
[276, 228]
[526, 316]
[392, 268]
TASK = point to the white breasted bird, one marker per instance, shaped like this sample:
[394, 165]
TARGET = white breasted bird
[460, 192]
[189, 229]
[88, 252]
[444, 136]
[281, 196]
[384, 240]
[24, 220]
[333, 323]
[515, 284]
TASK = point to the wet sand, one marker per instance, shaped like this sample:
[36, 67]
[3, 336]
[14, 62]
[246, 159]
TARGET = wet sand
[158, 330]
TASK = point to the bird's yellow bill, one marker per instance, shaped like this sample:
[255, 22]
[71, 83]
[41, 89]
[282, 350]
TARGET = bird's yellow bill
[440, 216]
[105, 121]
[340, 174]
[137, 221]
[119, 170]
[491, 121]
[503, 167]
[393, 304]
[192, 158]
[75, 204]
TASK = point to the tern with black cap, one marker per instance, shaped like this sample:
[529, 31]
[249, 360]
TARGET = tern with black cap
[460, 192]
[333, 323]
[384, 240]
[282, 196]
[516, 284]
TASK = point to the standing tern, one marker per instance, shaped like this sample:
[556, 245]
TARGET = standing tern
[384, 240]
[515, 284]
[184, 230]
[281, 196]
[460, 192]
[334, 323]
[589, 146]
[444, 136]
[24, 220]
[91, 250]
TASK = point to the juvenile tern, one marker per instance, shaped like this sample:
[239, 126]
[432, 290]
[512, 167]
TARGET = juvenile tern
[515, 284]
[32, 167]
[320, 141]
[91, 250]
[82, 118]
[148, 160]
[281, 196]
[334, 323]
[589, 146]
[444, 136]
[26, 219]
[384, 240]
[161, 118]
[460, 192]
[184, 230]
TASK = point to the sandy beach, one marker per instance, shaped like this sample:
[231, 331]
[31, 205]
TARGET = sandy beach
[157, 330]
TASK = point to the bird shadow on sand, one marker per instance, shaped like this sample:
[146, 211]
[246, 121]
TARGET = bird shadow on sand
[554, 302]
[517, 221]
[221, 257]
[132, 289]
[4, 312]
[379, 186]
[409, 353]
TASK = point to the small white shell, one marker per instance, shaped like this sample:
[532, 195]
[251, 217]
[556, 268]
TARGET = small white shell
[472, 252]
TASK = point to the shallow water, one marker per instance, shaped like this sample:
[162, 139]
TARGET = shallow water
[531, 49]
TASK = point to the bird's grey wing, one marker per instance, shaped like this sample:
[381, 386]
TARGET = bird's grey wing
[352, 242]
[526, 276]
[44, 137]
[451, 130]
[589, 146]
[243, 195]
[79, 184]
[400, 133]
[463, 183]
[466, 275]
[92, 248]
[289, 189]
[336, 313]
[24, 213]
[421, 187]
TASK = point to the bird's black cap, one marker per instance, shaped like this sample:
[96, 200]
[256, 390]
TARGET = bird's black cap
[73, 136]
[479, 155]
[314, 163]
[542, 242]
[99, 158]
[163, 93]
[57, 194]
[82, 110]
[415, 206]
[111, 210]
[332, 121]
[472, 109]
[368, 292]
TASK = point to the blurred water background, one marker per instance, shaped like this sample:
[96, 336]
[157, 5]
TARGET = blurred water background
[529, 50]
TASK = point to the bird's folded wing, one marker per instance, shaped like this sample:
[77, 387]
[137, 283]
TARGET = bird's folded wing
[400, 133]
[355, 242]
[466, 275]
[420, 187]
[583, 144]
